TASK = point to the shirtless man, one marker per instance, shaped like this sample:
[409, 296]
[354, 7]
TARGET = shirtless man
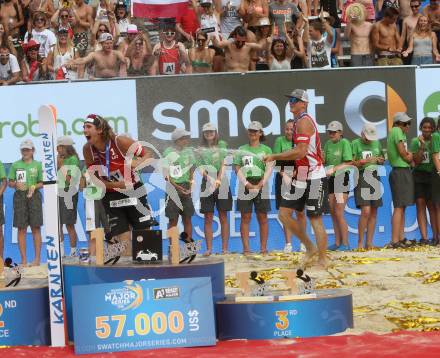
[409, 23]
[83, 23]
[108, 62]
[386, 40]
[12, 18]
[358, 31]
[433, 13]
[237, 51]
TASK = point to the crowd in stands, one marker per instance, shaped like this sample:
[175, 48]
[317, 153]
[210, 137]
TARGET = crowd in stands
[44, 40]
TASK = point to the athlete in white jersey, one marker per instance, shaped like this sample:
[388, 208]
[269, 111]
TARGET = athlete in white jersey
[308, 184]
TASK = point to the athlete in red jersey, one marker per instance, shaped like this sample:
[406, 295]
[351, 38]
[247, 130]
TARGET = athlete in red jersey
[308, 184]
[111, 159]
[170, 57]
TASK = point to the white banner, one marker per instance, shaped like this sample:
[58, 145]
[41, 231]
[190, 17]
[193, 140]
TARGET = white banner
[428, 93]
[114, 100]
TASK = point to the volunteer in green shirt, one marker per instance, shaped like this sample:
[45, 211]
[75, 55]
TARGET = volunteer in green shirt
[215, 190]
[338, 156]
[400, 178]
[69, 175]
[435, 180]
[179, 165]
[253, 174]
[284, 175]
[26, 177]
[422, 174]
[367, 155]
[3, 184]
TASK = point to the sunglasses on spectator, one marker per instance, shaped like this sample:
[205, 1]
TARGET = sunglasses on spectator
[170, 33]
[414, 6]
[39, 19]
[64, 16]
[293, 100]
[138, 43]
[102, 30]
[201, 39]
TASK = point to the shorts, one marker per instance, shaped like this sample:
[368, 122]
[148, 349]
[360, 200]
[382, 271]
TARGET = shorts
[387, 61]
[365, 193]
[172, 210]
[246, 202]
[2, 213]
[208, 203]
[402, 187]
[362, 60]
[309, 195]
[68, 216]
[422, 184]
[435, 188]
[124, 216]
[345, 183]
[27, 211]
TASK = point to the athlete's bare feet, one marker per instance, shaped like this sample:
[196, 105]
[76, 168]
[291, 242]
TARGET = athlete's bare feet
[323, 263]
[35, 263]
[309, 256]
[207, 253]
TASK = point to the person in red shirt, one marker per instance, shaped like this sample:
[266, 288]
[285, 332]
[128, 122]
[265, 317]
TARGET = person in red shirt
[188, 24]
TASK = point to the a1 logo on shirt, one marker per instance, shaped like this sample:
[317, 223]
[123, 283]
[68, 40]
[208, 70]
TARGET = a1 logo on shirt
[367, 154]
[176, 171]
[248, 161]
[425, 158]
[20, 176]
[169, 68]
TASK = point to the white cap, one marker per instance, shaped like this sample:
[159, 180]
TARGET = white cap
[27, 144]
[256, 126]
[65, 140]
[179, 133]
[401, 117]
[132, 29]
[335, 126]
[209, 127]
[369, 131]
[205, 2]
[105, 37]
[299, 94]
[264, 21]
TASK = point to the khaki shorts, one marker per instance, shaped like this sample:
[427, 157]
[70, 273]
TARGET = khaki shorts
[385, 61]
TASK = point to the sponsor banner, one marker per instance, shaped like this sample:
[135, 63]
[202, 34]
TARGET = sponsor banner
[115, 100]
[24, 317]
[428, 93]
[139, 315]
[232, 101]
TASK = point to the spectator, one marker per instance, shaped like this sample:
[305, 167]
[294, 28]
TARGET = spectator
[98, 29]
[400, 177]
[229, 16]
[108, 63]
[140, 56]
[386, 40]
[252, 11]
[433, 12]
[6, 40]
[63, 19]
[122, 18]
[263, 32]
[303, 6]
[101, 11]
[409, 23]
[209, 19]
[33, 67]
[358, 31]
[423, 44]
[83, 23]
[170, 57]
[9, 68]
[332, 8]
[58, 58]
[280, 12]
[422, 173]
[188, 23]
[299, 58]
[367, 153]
[435, 179]
[338, 156]
[383, 5]
[319, 46]
[215, 190]
[237, 51]
[45, 7]
[26, 177]
[179, 162]
[2, 213]
[132, 33]
[68, 176]
[253, 175]
[201, 56]
[281, 54]
[11, 18]
[40, 34]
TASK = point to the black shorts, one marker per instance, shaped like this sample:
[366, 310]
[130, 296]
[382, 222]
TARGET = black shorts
[247, 201]
[68, 216]
[402, 187]
[422, 185]
[180, 205]
[124, 215]
[309, 195]
[365, 192]
[220, 198]
[343, 179]
[28, 211]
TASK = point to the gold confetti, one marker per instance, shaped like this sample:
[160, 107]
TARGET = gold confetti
[434, 277]
[412, 322]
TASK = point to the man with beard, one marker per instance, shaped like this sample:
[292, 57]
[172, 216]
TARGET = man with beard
[83, 23]
[108, 62]
[237, 50]
[9, 68]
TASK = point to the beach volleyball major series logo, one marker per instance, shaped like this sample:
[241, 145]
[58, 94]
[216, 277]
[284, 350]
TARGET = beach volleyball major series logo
[128, 297]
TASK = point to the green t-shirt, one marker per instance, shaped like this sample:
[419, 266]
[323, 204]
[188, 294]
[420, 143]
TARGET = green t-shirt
[2, 171]
[337, 153]
[70, 161]
[395, 136]
[282, 144]
[435, 143]
[27, 173]
[179, 163]
[362, 150]
[426, 165]
[213, 157]
[250, 159]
